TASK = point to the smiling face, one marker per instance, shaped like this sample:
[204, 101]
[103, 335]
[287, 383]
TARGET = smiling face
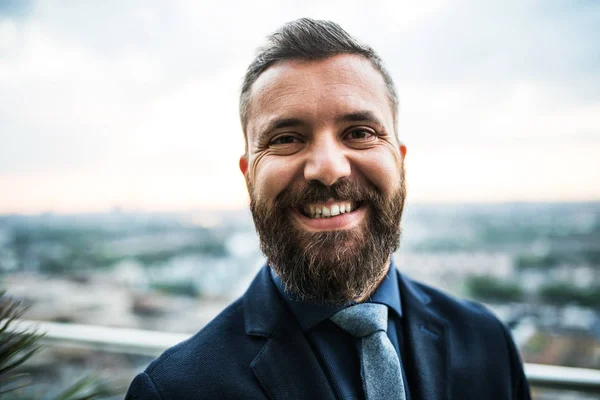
[325, 175]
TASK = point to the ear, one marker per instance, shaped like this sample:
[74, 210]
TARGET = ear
[243, 164]
[403, 150]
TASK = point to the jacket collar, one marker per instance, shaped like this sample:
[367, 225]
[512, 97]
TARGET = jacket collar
[426, 341]
[264, 311]
[286, 367]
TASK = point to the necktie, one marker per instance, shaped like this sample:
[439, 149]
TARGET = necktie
[381, 371]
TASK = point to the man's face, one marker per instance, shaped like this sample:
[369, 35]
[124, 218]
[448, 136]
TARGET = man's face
[325, 175]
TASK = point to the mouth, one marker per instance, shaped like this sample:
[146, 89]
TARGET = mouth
[328, 210]
[331, 215]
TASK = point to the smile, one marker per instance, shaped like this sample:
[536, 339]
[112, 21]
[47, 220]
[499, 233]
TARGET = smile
[328, 210]
[332, 215]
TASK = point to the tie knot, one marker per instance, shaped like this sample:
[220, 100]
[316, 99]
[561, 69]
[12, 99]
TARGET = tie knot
[362, 319]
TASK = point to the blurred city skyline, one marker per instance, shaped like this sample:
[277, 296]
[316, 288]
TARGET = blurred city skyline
[133, 104]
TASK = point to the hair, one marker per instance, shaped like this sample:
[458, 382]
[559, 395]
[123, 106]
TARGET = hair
[309, 39]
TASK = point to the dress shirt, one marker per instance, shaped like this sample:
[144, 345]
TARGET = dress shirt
[337, 351]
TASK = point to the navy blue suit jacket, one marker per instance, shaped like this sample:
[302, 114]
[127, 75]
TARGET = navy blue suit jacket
[255, 349]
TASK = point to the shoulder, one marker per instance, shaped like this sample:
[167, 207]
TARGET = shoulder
[215, 361]
[469, 324]
[477, 341]
[452, 309]
[199, 349]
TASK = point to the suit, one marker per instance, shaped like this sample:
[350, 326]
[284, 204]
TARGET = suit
[255, 349]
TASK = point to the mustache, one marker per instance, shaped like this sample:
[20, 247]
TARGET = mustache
[317, 192]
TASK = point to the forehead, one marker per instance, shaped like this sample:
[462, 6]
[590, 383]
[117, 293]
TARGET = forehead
[318, 90]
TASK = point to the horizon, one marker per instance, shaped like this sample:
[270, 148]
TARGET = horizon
[118, 210]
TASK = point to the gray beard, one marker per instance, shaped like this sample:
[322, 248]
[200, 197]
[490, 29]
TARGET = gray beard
[330, 267]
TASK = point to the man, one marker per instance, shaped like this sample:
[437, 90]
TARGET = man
[329, 316]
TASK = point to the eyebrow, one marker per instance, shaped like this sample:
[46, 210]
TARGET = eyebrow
[360, 116]
[284, 123]
[280, 123]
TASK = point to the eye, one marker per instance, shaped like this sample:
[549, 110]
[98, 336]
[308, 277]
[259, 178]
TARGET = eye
[285, 139]
[361, 134]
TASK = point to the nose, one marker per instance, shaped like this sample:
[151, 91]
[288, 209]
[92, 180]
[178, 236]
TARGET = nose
[327, 162]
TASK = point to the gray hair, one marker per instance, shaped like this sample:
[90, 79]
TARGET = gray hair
[309, 39]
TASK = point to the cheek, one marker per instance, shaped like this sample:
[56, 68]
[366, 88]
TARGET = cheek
[383, 169]
[271, 175]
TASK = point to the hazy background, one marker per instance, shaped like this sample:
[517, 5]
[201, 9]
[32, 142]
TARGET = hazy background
[121, 203]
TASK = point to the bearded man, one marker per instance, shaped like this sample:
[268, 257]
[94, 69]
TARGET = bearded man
[329, 316]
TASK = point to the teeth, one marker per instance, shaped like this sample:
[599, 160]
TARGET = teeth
[335, 210]
[322, 211]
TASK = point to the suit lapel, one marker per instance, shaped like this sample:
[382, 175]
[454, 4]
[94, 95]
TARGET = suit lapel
[286, 367]
[427, 344]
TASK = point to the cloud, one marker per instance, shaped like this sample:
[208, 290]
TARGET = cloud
[132, 91]
[15, 8]
[496, 43]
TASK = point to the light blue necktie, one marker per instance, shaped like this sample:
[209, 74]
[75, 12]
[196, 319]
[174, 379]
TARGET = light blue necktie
[381, 371]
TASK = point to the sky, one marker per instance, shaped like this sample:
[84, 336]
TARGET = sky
[133, 104]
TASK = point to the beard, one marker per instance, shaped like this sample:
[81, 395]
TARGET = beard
[330, 267]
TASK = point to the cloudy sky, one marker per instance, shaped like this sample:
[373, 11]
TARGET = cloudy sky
[133, 104]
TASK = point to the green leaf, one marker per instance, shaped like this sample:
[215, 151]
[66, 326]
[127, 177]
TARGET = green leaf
[16, 347]
[87, 388]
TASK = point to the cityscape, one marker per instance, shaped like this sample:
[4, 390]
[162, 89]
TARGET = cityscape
[537, 265]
